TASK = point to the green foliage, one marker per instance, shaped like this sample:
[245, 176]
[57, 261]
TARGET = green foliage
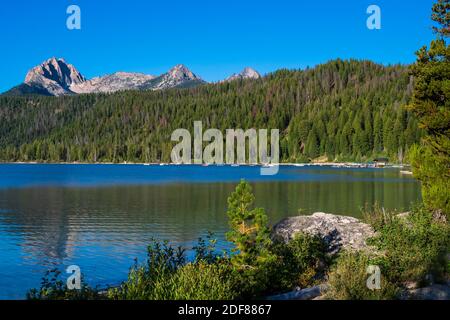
[301, 262]
[414, 246]
[202, 281]
[431, 104]
[205, 249]
[193, 281]
[441, 15]
[348, 280]
[52, 288]
[251, 238]
[433, 171]
[377, 216]
[166, 276]
[150, 281]
[249, 231]
[342, 109]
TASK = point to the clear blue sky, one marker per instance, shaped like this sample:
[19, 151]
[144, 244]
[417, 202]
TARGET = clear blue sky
[214, 38]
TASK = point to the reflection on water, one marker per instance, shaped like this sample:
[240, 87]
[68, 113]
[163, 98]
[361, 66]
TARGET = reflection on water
[102, 217]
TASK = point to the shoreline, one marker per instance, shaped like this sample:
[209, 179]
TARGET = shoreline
[287, 164]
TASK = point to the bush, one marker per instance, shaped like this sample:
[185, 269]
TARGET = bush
[202, 281]
[414, 246]
[377, 216]
[348, 280]
[52, 288]
[166, 276]
[301, 262]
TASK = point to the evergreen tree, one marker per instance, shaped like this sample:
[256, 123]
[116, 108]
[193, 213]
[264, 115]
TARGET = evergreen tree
[249, 231]
[431, 104]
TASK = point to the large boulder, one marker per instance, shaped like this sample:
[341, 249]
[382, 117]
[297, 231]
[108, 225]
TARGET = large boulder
[338, 232]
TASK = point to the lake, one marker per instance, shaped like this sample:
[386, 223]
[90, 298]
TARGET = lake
[102, 217]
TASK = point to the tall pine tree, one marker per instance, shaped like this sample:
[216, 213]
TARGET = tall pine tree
[431, 104]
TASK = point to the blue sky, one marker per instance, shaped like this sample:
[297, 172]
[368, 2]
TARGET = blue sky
[214, 38]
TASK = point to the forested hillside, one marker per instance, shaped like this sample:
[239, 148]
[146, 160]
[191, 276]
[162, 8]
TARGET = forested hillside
[346, 110]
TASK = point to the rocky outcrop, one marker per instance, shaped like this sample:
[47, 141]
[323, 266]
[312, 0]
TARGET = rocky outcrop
[114, 82]
[338, 232]
[55, 76]
[432, 292]
[302, 294]
[247, 73]
[177, 77]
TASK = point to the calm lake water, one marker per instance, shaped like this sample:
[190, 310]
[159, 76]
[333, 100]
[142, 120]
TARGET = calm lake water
[101, 217]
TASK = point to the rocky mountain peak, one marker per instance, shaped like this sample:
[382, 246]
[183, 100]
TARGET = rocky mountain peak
[181, 72]
[178, 76]
[54, 71]
[247, 73]
[250, 73]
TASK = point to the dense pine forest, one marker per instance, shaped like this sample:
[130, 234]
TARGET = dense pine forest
[344, 110]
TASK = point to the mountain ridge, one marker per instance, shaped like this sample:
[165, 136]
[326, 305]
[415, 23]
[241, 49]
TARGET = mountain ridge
[56, 77]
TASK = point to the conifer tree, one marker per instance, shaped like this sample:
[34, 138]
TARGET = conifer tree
[249, 231]
[431, 104]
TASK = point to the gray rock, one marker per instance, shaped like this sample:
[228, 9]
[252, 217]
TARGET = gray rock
[111, 83]
[303, 294]
[338, 232]
[247, 73]
[177, 77]
[433, 292]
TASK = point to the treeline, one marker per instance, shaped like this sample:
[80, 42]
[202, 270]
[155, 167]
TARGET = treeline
[344, 110]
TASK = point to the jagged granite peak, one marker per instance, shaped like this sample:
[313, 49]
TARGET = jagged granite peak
[181, 72]
[113, 82]
[178, 76]
[247, 73]
[55, 75]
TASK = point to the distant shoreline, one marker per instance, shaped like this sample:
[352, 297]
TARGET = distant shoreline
[292, 164]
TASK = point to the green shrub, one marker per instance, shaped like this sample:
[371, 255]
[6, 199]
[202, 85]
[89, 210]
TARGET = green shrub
[348, 280]
[414, 246]
[52, 288]
[166, 276]
[193, 281]
[377, 216]
[205, 250]
[202, 281]
[301, 262]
